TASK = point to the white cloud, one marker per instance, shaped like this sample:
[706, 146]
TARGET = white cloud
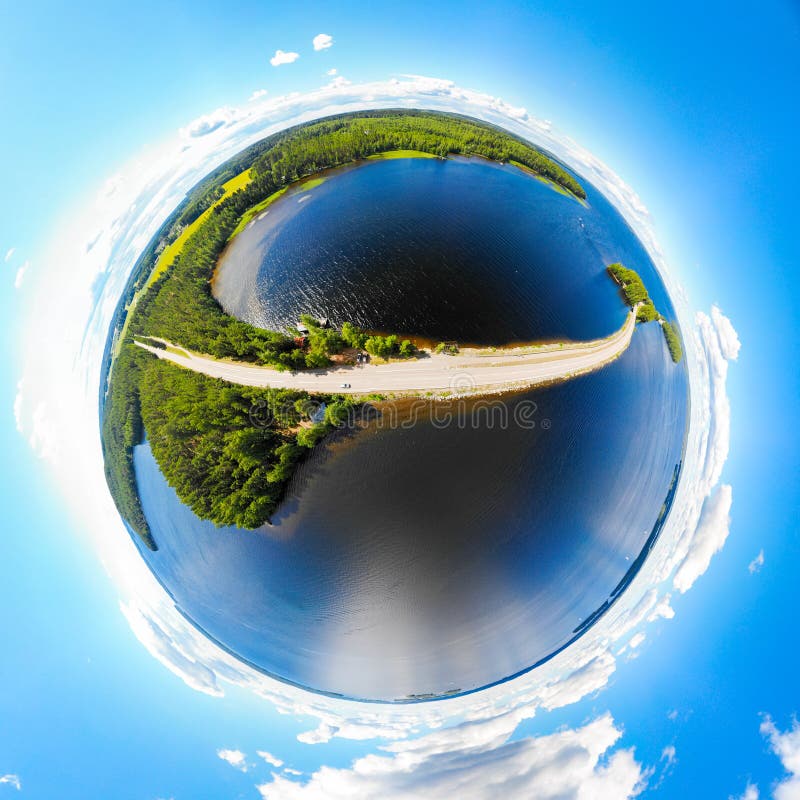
[324, 732]
[750, 793]
[282, 57]
[479, 761]
[785, 745]
[11, 780]
[20, 276]
[728, 338]
[10, 251]
[338, 82]
[712, 531]
[208, 123]
[269, 758]
[322, 41]
[756, 564]
[636, 640]
[236, 758]
[663, 610]
[668, 761]
[331, 72]
[257, 94]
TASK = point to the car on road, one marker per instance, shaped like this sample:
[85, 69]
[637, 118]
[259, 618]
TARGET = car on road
[345, 386]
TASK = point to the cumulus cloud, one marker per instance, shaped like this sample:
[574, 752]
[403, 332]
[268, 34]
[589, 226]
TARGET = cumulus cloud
[236, 758]
[756, 564]
[331, 71]
[750, 793]
[663, 609]
[785, 745]
[324, 732]
[480, 762]
[728, 338]
[257, 94]
[712, 531]
[322, 41]
[338, 82]
[11, 250]
[269, 758]
[20, 276]
[636, 640]
[668, 760]
[11, 780]
[208, 123]
[282, 57]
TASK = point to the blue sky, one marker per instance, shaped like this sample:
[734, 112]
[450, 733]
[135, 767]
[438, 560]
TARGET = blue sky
[693, 107]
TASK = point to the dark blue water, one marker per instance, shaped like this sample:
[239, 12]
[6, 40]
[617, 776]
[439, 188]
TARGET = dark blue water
[464, 250]
[439, 559]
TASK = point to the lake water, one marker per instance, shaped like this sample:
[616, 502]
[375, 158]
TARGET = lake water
[435, 559]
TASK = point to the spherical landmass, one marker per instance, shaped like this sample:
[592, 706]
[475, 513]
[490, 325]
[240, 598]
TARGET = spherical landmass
[397, 407]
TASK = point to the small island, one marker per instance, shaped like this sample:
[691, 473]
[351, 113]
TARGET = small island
[635, 294]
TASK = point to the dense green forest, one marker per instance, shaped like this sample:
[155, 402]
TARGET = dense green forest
[634, 291]
[121, 431]
[180, 307]
[228, 450]
[345, 139]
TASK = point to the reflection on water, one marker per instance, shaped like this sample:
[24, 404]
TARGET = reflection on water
[421, 561]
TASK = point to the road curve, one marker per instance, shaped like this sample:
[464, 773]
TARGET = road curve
[471, 372]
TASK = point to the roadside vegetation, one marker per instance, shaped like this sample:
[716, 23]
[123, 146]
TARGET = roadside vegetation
[169, 297]
[384, 347]
[634, 292]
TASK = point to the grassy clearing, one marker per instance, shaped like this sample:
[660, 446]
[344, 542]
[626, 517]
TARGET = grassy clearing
[550, 183]
[167, 257]
[311, 183]
[400, 154]
[301, 186]
[253, 212]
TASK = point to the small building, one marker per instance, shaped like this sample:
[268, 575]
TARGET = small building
[302, 328]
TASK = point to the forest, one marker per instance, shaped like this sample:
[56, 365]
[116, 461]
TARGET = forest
[229, 451]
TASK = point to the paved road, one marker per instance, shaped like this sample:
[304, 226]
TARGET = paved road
[471, 372]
